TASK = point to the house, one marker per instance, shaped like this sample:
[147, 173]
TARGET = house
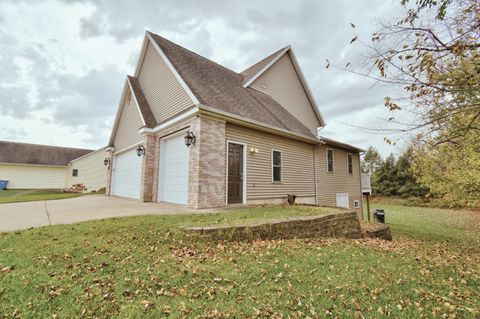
[33, 166]
[192, 132]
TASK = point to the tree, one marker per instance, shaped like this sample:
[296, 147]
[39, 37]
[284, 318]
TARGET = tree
[432, 52]
[451, 171]
[408, 184]
[385, 180]
[371, 160]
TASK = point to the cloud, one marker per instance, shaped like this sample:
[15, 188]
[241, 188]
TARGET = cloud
[69, 75]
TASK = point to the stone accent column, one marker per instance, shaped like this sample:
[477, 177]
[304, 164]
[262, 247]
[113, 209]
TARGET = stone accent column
[148, 168]
[108, 187]
[207, 164]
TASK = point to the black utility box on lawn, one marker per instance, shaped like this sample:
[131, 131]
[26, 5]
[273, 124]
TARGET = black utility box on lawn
[380, 215]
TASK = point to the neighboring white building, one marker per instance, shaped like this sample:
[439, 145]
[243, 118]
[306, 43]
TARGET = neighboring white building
[33, 166]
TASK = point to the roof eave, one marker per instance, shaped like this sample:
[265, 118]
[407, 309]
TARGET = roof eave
[329, 141]
[237, 119]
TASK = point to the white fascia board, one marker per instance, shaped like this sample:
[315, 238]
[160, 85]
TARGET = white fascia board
[266, 67]
[119, 112]
[329, 141]
[136, 102]
[173, 121]
[87, 155]
[141, 56]
[172, 68]
[307, 88]
[34, 165]
[237, 119]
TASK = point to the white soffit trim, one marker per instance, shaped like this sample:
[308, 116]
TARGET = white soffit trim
[170, 122]
[91, 153]
[128, 148]
[266, 67]
[141, 55]
[172, 68]
[306, 87]
[300, 75]
[35, 165]
[237, 119]
[136, 102]
[119, 112]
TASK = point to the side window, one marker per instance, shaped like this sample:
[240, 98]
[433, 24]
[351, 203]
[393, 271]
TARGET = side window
[350, 163]
[75, 172]
[276, 166]
[329, 160]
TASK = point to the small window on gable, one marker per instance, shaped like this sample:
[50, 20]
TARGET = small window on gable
[75, 172]
[276, 166]
[329, 160]
[350, 163]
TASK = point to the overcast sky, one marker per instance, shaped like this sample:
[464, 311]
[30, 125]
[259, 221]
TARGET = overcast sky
[63, 63]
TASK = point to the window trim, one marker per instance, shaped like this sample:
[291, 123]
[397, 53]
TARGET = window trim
[349, 155]
[356, 203]
[281, 166]
[333, 160]
[73, 172]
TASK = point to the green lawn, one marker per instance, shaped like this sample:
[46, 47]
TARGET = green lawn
[29, 195]
[145, 267]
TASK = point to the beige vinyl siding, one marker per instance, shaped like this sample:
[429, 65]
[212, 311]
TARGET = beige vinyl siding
[162, 90]
[128, 125]
[91, 171]
[32, 177]
[281, 82]
[340, 181]
[297, 164]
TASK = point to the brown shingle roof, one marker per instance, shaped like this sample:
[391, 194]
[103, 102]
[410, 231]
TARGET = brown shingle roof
[142, 102]
[221, 88]
[257, 67]
[22, 153]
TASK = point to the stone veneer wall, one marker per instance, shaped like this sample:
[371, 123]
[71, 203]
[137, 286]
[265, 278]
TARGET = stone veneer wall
[334, 225]
[148, 167]
[108, 187]
[207, 164]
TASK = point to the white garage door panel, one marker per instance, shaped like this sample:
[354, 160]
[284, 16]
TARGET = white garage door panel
[127, 174]
[173, 181]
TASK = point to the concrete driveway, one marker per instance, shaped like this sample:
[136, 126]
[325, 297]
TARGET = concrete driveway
[17, 216]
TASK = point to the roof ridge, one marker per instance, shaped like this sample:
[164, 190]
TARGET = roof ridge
[194, 53]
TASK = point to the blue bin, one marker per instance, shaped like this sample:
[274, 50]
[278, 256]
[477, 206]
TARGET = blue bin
[3, 184]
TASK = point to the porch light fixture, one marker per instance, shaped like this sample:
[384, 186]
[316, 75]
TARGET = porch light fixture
[253, 150]
[189, 138]
[140, 150]
[106, 161]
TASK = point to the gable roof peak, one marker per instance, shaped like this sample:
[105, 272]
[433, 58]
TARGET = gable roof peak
[252, 72]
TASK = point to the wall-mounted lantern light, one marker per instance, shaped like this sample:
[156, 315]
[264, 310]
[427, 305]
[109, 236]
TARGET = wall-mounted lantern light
[140, 150]
[106, 161]
[189, 139]
[253, 150]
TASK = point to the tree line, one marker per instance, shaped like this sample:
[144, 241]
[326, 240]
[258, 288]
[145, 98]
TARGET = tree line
[444, 177]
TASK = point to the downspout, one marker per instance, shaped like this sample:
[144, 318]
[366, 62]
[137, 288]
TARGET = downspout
[315, 173]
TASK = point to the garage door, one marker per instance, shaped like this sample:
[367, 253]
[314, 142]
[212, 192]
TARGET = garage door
[173, 179]
[127, 174]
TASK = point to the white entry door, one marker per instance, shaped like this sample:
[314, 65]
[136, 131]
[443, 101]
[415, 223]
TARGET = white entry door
[342, 200]
[127, 174]
[173, 179]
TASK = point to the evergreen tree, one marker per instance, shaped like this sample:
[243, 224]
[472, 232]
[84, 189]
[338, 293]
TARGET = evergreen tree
[385, 178]
[409, 187]
[371, 161]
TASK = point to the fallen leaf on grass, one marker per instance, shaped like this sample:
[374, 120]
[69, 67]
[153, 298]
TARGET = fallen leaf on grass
[8, 269]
